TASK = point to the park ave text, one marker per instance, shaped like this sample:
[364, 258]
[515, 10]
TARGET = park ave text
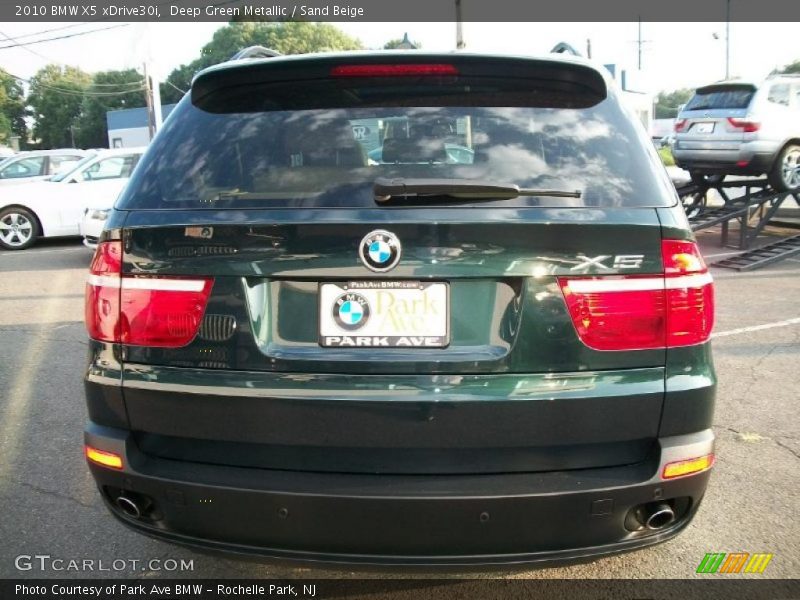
[159, 590]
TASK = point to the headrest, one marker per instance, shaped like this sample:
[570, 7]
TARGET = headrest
[413, 150]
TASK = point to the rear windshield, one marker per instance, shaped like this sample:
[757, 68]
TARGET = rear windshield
[249, 147]
[728, 97]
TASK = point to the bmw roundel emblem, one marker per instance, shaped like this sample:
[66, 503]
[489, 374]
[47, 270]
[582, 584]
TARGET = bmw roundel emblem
[380, 250]
[351, 311]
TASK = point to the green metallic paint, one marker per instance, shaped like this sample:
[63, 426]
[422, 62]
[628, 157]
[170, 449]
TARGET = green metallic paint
[397, 388]
[690, 390]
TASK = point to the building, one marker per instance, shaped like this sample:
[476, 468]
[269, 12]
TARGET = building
[128, 128]
[636, 92]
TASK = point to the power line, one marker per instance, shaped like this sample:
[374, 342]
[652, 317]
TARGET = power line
[133, 85]
[138, 83]
[169, 83]
[70, 26]
[69, 92]
[86, 92]
[62, 37]
[34, 52]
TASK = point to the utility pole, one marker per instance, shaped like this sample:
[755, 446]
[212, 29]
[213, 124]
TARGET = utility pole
[640, 42]
[155, 86]
[588, 48]
[152, 83]
[727, 39]
[460, 45]
[149, 100]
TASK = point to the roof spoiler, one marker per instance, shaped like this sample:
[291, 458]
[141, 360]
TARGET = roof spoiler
[565, 76]
[255, 52]
[725, 85]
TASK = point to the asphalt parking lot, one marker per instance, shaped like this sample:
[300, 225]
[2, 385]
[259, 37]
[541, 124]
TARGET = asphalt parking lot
[49, 505]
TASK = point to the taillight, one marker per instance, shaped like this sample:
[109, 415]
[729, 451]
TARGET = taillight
[745, 125]
[102, 292]
[690, 294]
[617, 313]
[645, 312]
[681, 258]
[680, 125]
[394, 70]
[142, 310]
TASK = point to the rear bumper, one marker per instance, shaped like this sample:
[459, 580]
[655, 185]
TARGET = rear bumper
[743, 161]
[456, 520]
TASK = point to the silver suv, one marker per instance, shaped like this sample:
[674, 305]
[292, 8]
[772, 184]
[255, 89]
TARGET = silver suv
[740, 128]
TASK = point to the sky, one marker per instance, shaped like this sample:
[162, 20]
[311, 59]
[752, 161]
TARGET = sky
[675, 55]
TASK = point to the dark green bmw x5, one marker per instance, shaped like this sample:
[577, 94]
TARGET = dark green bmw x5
[401, 308]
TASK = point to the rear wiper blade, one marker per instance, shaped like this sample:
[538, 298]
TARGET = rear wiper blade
[387, 190]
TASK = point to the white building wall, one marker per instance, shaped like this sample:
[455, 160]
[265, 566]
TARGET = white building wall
[641, 105]
[128, 138]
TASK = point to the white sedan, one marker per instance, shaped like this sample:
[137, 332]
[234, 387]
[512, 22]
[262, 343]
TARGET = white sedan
[94, 219]
[55, 207]
[38, 165]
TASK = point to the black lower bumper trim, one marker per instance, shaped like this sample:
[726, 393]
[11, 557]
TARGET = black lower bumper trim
[477, 561]
[457, 520]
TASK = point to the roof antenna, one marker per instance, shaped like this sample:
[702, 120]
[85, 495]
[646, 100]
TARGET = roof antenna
[255, 52]
[564, 48]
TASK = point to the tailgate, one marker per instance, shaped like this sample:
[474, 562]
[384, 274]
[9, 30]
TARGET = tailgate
[514, 389]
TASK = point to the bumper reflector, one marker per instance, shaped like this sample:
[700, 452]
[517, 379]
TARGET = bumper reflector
[689, 466]
[100, 457]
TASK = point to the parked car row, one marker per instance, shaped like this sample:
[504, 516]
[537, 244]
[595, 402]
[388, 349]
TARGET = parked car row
[55, 205]
[38, 165]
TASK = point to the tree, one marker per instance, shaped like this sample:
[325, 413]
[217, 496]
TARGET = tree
[178, 82]
[669, 103]
[791, 68]
[55, 97]
[109, 90]
[402, 43]
[287, 37]
[12, 110]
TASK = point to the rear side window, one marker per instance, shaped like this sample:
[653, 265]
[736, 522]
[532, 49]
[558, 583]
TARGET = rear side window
[325, 143]
[62, 164]
[114, 167]
[24, 167]
[779, 94]
[730, 97]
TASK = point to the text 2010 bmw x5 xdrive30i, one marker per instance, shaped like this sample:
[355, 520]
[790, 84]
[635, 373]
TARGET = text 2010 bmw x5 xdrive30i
[401, 308]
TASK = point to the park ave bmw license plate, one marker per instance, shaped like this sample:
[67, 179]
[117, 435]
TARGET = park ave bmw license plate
[384, 314]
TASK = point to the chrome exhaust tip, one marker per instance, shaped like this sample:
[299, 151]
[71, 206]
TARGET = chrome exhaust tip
[129, 506]
[658, 516]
